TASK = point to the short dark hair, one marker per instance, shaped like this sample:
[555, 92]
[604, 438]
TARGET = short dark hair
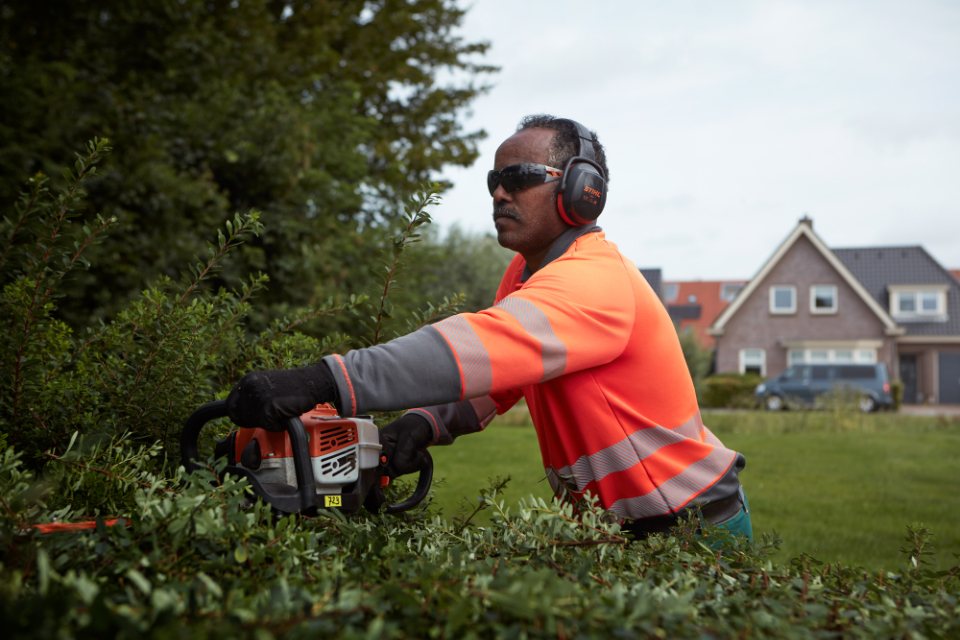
[565, 143]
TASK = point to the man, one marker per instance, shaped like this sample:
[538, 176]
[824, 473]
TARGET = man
[575, 329]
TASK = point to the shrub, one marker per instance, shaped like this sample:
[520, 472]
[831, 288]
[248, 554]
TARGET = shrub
[730, 390]
[190, 562]
[176, 346]
[698, 358]
[896, 393]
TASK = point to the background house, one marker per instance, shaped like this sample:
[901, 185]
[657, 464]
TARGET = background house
[809, 304]
[924, 299]
[694, 305]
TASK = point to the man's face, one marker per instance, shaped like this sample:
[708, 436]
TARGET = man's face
[527, 220]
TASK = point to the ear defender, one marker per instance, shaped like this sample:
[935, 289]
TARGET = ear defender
[583, 188]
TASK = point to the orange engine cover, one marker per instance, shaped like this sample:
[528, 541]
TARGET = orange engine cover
[326, 432]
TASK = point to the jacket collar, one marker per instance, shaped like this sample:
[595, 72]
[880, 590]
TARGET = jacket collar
[560, 246]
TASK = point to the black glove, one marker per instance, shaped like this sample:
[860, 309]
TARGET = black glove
[265, 399]
[404, 441]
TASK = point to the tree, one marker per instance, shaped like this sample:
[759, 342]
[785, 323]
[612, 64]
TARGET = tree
[698, 358]
[463, 262]
[320, 114]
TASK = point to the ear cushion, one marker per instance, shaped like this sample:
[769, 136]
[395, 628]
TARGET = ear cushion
[583, 192]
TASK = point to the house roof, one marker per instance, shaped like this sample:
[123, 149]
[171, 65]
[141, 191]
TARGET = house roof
[705, 297]
[879, 267]
[955, 273]
[805, 229]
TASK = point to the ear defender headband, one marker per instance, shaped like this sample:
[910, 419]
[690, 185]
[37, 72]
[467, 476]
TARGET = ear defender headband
[583, 188]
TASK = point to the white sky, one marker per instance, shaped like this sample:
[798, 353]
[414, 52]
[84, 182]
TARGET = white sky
[725, 122]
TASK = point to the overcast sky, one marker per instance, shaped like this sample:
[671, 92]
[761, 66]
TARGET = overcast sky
[724, 122]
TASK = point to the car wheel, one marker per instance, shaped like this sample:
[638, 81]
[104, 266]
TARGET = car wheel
[773, 403]
[867, 404]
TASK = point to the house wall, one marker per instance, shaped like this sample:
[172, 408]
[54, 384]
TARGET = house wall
[753, 326]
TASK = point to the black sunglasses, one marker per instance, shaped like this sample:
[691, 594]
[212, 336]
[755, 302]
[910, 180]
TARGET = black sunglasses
[522, 175]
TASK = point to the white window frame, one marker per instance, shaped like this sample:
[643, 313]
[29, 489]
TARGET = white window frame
[813, 299]
[763, 361]
[860, 356]
[916, 292]
[783, 312]
[852, 352]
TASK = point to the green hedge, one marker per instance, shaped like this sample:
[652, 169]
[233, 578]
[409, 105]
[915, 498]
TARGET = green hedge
[729, 390]
[192, 562]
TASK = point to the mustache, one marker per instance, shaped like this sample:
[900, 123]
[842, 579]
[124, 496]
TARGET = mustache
[503, 211]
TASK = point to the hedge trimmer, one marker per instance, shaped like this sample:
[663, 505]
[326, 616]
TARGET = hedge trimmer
[321, 461]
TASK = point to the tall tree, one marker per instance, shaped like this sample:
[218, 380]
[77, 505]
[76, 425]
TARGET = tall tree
[322, 114]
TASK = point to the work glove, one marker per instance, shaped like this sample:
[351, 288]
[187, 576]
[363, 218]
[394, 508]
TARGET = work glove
[404, 443]
[265, 399]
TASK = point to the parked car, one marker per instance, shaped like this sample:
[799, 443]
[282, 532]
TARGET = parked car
[803, 384]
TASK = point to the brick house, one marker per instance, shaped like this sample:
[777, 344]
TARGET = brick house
[809, 304]
[693, 305]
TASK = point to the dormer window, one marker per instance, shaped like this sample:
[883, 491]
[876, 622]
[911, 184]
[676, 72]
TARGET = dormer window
[729, 291]
[922, 303]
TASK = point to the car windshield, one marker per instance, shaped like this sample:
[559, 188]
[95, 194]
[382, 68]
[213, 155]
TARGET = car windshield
[794, 373]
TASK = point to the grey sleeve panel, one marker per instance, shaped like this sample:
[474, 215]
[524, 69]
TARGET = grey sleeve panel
[455, 419]
[727, 485]
[416, 370]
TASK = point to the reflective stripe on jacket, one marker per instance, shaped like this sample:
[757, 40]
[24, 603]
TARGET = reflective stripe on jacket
[590, 346]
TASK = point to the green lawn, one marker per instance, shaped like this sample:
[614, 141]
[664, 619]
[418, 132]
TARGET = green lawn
[840, 487]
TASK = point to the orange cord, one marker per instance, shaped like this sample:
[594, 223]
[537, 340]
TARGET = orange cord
[54, 527]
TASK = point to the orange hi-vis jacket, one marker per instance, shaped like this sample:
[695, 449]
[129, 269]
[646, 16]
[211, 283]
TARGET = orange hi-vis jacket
[590, 346]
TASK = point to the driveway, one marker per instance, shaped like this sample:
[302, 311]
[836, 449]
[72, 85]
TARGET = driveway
[930, 409]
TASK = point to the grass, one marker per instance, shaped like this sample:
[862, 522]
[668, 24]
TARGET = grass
[834, 484]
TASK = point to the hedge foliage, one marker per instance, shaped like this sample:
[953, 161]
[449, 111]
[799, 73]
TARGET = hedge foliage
[192, 563]
[89, 424]
[729, 390]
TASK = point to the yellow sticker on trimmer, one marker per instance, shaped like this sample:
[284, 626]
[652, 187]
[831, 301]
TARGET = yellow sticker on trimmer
[332, 501]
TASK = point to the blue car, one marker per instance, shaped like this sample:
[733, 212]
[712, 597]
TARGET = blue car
[803, 384]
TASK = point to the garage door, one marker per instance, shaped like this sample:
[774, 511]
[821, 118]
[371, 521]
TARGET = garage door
[949, 378]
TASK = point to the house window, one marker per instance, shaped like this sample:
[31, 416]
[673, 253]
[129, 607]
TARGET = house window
[753, 361]
[830, 356]
[729, 291]
[670, 292]
[843, 355]
[823, 298]
[691, 299]
[918, 305]
[783, 299]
